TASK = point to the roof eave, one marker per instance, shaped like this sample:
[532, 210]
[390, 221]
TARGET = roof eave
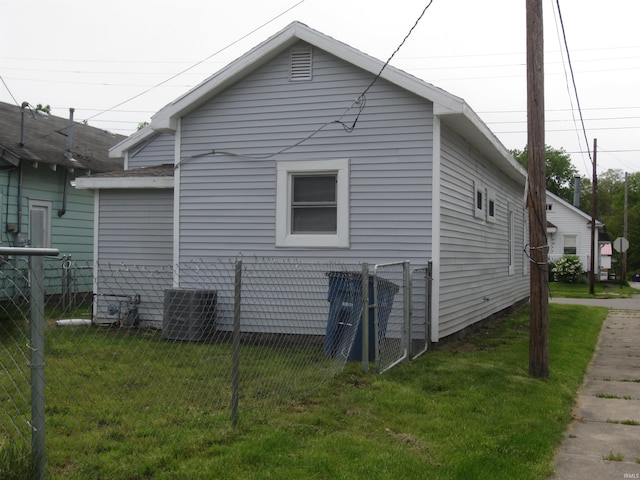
[94, 183]
[118, 150]
[165, 120]
[468, 124]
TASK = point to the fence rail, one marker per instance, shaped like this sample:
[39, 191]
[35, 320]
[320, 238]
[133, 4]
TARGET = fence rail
[217, 339]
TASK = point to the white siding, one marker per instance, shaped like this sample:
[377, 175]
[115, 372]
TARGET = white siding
[570, 222]
[474, 276]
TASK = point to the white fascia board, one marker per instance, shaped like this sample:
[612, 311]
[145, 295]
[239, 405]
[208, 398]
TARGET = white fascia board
[83, 183]
[165, 119]
[117, 151]
[470, 126]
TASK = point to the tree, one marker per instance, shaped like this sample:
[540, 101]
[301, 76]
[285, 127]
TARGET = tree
[43, 108]
[141, 125]
[610, 209]
[560, 170]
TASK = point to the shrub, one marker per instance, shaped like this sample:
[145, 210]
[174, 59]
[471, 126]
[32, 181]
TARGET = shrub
[568, 269]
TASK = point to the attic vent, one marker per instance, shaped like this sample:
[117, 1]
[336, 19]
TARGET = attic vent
[300, 64]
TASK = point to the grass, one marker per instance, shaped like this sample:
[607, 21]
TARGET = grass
[465, 410]
[616, 397]
[15, 461]
[581, 290]
[613, 457]
[634, 423]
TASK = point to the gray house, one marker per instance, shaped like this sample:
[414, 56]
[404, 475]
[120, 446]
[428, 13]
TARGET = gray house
[305, 147]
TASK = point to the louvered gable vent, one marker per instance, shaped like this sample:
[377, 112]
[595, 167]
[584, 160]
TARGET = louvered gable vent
[300, 64]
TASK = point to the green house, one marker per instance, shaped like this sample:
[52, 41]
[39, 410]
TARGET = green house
[40, 157]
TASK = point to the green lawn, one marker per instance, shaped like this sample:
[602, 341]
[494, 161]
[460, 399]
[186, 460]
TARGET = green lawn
[581, 290]
[465, 410]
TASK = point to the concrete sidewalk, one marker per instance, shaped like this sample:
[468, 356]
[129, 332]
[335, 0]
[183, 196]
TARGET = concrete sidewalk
[603, 439]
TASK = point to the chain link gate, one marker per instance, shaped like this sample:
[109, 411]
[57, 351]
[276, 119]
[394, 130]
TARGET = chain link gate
[391, 313]
[401, 317]
[420, 332]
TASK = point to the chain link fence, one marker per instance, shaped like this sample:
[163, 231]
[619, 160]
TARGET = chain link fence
[136, 346]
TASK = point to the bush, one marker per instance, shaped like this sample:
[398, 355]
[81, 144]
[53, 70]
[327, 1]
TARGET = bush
[568, 269]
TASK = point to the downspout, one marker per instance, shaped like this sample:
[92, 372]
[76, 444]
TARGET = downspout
[18, 231]
[69, 155]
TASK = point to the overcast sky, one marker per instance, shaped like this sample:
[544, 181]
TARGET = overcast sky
[93, 55]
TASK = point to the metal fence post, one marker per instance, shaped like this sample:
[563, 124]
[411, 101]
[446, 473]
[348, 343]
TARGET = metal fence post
[429, 300]
[406, 271]
[37, 367]
[235, 373]
[365, 317]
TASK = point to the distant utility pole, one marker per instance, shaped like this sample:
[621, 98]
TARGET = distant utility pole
[594, 214]
[537, 196]
[626, 212]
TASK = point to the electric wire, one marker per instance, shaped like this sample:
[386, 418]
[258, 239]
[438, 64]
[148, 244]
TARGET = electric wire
[359, 103]
[573, 78]
[566, 79]
[198, 63]
[361, 100]
[9, 90]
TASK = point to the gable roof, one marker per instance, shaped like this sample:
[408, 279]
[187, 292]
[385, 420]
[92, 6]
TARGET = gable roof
[452, 110]
[574, 209]
[44, 140]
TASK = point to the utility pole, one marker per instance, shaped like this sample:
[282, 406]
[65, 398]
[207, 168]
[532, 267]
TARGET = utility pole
[594, 213]
[626, 211]
[537, 195]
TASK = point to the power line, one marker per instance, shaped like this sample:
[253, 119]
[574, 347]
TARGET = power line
[9, 90]
[198, 63]
[573, 78]
[359, 103]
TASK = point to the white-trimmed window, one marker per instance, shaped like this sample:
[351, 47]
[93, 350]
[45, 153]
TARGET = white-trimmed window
[491, 205]
[510, 239]
[479, 201]
[312, 203]
[570, 244]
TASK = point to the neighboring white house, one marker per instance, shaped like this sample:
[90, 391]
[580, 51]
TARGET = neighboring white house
[409, 171]
[569, 233]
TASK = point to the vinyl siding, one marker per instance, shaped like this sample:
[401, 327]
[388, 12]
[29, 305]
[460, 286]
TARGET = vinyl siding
[135, 229]
[474, 276]
[389, 153]
[156, 151]
[71, 233]
[228, 200]
[569, 222]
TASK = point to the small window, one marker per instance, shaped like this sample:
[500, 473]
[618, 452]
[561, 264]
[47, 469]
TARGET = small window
[570, 244]
[312, 203]
[510, 239]
[479, 201]
[549, 207]
[491, 206]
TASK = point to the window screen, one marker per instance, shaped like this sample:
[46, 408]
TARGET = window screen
[313, 204]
